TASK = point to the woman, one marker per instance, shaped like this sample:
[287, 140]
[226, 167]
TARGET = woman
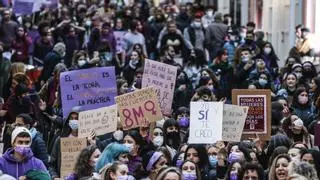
[152, 161]
[134, 63]
[295, 153]
[117, 171]
[169, 173]
[190, 171]
[113, 152]
[270, 58]
[198, 154]
[21, 46]
[302, 107]
[16, 68]
[296, 131]
[86, 163]
[313, 158]
[264, 82]
[183, 91]
[196, 61]
[309, 72]
[81, 60]
[171, 131]
[237, 151]
[133, 141]
[279, 167]
[233, 170]
[315, 90]
[158, 137]
[290, 85]
[139, 48]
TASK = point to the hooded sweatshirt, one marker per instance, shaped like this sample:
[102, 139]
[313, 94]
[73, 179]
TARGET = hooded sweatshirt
[9, 165]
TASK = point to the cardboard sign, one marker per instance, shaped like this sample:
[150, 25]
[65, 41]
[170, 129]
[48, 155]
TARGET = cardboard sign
[258, 120]
[163, 78]
[70, 150]
[138, 108]
[205, 122]
[119, 36]
[101, 121]
[234, 118]
[89, 88]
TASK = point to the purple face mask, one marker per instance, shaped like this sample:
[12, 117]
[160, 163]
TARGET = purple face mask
[23, 150]
[179, 163]
[184, 122]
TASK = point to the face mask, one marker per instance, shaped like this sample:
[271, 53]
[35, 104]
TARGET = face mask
[107, 56]
[245, 59]
[299, 75]
[210, 87]
[74, 124]
[234, 156]
[243, 35]
[184, 122]
[262, 82]
[249, 41]
[118, 135]
[232, 38]
[197, 24]
[302, 99]
[179, 163]
[267, 50]
[134, 62]
[23, 150]
[81, 63]
[213, 161]
[129, 146]
[94, 162]
[125, 177]
[210, 13]
[88, 23]
[158, 141]
[233, 176]
[173, 139]
[189, 176]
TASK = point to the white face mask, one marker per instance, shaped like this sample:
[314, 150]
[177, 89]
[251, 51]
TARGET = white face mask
[81, 63]
[88, 23]
[242, 34]
[210, 13]
[118, 135]
[74, 124]
[245, 59]
[262, 82]
[197, 24]
[129, 146]
[267, 50]
[158, 141]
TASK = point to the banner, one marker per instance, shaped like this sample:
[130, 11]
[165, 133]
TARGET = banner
[89, 88]
[101, 121]
[138, 108]
[119, 36]
[234, 118]
[23, 7]
[205, 122]
[163, 78]
[258, 120]
[70, 150]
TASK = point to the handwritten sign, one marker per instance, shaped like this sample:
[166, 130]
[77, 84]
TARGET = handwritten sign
[138, 108]
[70, 149]
[163, 78]
[89, 88]
[101, 121]
[23, 7]
[258, 120]
[205, 122]
[119, 36]
[234, 118]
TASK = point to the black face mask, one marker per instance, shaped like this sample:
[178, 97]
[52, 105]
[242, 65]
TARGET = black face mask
[249, 41]
[173, 139]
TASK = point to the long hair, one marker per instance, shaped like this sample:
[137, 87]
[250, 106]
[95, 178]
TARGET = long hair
[203, 155]
[272, 172]
[82, 167]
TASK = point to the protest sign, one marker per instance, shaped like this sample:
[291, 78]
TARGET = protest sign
[234, 118]
[89, 88]
[258, 120]
[205, 122]
[163, 78]
[119, 36]
[70, 150]
[101, 121]
[23, 7]
[138, 108]
[317, 134]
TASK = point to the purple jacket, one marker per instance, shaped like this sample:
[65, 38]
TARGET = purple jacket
[9, 165]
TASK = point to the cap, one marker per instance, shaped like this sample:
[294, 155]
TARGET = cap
[17, 131]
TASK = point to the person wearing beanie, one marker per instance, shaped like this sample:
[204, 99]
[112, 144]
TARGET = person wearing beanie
[152, 162]
[38, 145]
[52, 59]
[19, 159]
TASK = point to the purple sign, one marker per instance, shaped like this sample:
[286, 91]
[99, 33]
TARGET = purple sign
[89, 88]
[22, 7]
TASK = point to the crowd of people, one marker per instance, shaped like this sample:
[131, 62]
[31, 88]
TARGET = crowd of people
[213, 56]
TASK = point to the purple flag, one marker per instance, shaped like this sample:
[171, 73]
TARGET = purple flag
[89, 88]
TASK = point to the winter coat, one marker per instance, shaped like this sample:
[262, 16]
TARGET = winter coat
[39, 149]
[9, 165]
